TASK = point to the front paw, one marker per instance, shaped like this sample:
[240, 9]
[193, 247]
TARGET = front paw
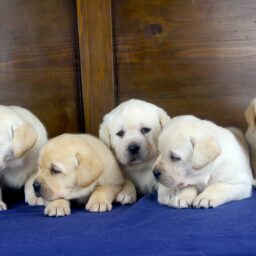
[95, 205]
[58, 208]
[124, 198]
[181, 202]
[205, 200]
[3, 206]
[34, 200]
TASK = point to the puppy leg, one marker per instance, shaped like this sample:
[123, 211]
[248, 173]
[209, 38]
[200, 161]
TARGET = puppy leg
[184, 198]
[220, 193]
[30, 196]
[60, 207]
[2, 204]
[128, 193]
[164, 195]
[102, 197]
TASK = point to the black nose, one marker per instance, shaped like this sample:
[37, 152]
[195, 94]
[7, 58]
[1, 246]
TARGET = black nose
[36, 186]
[133, 149]
[156, 173]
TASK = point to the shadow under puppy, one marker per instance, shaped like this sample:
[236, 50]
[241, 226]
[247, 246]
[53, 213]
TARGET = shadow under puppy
[203, 164]
[131, 130]
[22, 137]
[78, 166]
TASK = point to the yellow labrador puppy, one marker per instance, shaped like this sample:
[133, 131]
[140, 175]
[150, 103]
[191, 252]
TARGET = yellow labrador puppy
[250, 115]
[131, 130]
[22, 137]
[203, 164]
[77, 166]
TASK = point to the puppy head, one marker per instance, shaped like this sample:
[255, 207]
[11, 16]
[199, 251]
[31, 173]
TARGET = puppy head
[250, 115]
[131, 130]
[66, 168]
[186, 147]
[17, 136]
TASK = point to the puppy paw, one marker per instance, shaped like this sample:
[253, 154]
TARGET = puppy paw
[164, 199]
[98, 206]
[34, 200]
[3, 206]
[126, 198]
[58, 208]
[206, 201]
[181, 202]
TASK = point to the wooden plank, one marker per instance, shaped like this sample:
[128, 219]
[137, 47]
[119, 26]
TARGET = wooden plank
[189, 57]
[96, 57]
[38, 62]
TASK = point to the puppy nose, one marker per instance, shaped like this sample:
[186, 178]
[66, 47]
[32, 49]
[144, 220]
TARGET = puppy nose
[133, 149]
[36, 186]
[156, 173]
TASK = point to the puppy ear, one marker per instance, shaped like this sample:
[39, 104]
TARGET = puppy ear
[164, 119]
[205, 151]
[250, 115]
[89, 169]
[24, 138]
[104, 133]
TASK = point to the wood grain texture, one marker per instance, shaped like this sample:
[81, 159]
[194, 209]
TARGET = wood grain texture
[38, 61]
[96, 56]
[189, 57]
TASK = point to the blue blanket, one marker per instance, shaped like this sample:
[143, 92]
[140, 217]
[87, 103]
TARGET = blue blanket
[145, 228]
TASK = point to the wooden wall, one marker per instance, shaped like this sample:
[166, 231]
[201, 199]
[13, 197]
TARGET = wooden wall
[71, 61]
[39, 64]
[190, 57]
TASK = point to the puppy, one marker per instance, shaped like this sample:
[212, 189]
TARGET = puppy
[22, 137]
[78, 167]
[131, 130]
[203, 164]
[250, 116]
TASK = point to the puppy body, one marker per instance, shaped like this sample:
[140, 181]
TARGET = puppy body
[250, 115]
[22, 137]
[204, 163]
[131, 130]
[79, 167]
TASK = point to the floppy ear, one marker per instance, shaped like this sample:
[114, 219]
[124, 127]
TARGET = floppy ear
[104, 133]
[24, 138]
[163, 118]
[250, 115]
[89, 169]
[205, 151]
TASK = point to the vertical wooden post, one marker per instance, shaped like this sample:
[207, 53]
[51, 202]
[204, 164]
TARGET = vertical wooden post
[96, 59]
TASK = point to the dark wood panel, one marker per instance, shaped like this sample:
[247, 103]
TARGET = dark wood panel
[96, 54]
[39, 61]
[196, 57]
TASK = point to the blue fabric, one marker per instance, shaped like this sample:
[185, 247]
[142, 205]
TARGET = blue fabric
[145, 228]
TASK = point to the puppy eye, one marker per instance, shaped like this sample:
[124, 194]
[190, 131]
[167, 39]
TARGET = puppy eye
[120, 133]
[174, 158]
[145, 130]
[54, 170]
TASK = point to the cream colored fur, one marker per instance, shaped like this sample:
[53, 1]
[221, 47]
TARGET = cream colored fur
[81, 167]
[202, 164]
[22, 137]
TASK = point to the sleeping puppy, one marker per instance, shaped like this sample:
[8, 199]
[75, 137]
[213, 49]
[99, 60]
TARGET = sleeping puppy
[22, 137]
[203, 164]
[78, 166]
[131, 130]
[250, 116]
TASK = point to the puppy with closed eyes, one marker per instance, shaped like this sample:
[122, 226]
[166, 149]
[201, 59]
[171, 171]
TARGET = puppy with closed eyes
[203, 164]
[22, 135]
[131, 130]
[250, 116]
[78, 166]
